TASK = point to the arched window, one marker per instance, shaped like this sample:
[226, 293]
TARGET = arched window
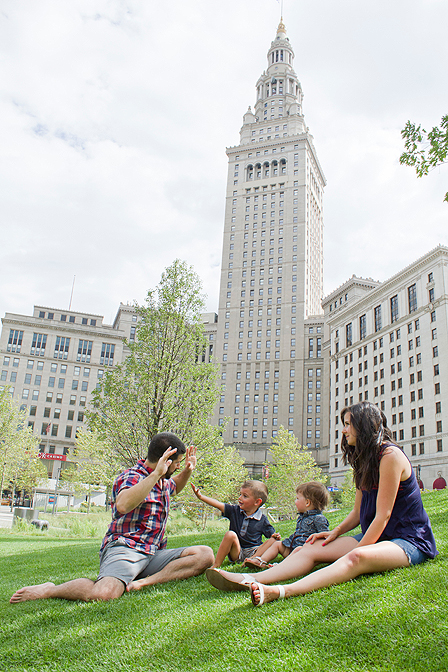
[258, 170]
[249, 172]
[275, 168]
[266, 169]
[283, 166]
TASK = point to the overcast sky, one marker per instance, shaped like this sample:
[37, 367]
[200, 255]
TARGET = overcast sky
[115, 116]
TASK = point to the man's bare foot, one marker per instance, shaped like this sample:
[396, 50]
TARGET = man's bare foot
[38, 592]
[138, 585]
[262, 594]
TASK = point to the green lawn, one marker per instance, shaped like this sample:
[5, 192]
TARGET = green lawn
[393, 621]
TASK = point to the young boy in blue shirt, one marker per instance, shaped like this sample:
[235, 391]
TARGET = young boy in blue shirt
[247, 523]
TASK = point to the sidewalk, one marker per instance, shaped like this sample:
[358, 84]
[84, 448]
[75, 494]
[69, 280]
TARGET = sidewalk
[5, 517]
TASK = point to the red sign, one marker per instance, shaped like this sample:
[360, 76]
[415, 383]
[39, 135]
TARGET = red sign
[52, 456]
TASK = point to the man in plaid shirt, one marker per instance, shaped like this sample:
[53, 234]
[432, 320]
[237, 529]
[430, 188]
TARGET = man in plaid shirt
[135, 546]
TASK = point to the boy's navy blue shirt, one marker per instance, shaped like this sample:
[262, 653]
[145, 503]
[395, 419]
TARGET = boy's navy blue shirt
[249, 529]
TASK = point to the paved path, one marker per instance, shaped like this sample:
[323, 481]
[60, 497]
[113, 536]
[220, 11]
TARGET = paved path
[5, 517]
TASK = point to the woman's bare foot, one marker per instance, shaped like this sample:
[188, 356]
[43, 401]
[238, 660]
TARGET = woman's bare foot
[228, 581]
[262, 594]
[38, 592]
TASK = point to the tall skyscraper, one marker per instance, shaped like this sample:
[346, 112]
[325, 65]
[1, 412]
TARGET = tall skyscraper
[270, 315]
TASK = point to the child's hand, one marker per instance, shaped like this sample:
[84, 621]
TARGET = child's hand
[197, 492]
[276, 536]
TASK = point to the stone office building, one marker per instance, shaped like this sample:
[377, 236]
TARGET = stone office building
[387, 343]
[51, 361]
[270, 322]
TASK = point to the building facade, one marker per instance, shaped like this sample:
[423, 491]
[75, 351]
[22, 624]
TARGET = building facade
[52, 360]
[385, 343]
[272, 271]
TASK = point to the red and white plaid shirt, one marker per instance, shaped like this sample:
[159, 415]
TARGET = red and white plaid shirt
[143, 528]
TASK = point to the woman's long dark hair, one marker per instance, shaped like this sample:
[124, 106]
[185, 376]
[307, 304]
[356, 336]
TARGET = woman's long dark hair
[372, 436]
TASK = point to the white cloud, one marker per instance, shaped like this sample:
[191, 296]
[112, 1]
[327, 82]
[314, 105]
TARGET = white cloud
[115, 116]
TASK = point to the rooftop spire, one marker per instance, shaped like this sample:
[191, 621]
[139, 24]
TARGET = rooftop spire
[281, 30]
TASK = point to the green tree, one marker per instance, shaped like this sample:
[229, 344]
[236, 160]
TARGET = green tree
[291, 465]
[425, 150]
[29, 470]
[96, 465]
[18, 447]
[162, 385]
[348, 489]
[219, 474]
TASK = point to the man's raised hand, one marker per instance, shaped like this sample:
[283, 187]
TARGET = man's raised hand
[164, 462]
[190, 458]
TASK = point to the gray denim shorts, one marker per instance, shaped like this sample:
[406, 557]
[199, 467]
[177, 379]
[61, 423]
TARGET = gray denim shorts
[414, 554]
[126, 564]
[246, 553]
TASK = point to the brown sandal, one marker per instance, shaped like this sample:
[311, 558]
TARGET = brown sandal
[257, 563]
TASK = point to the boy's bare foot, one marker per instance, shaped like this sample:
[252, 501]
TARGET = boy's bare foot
[256, 562]
[38, 592]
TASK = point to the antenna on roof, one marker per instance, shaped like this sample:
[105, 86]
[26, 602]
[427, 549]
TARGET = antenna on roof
[71, 295]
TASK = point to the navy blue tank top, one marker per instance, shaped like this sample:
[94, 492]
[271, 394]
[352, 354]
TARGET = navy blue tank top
[408, 520]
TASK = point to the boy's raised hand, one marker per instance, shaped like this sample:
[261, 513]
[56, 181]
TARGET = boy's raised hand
[196, 491]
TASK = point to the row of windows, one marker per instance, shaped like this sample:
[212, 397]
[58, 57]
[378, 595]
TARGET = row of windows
[274, 422]
[61, 347]
[393, 335]
[255, 434]
[382, 403]
[63, 318]
[38, 377]
[52, 429]
[394, 314]
[57, 411]
[265, 170]
[52, 450]
[51, 383]
[63, 368]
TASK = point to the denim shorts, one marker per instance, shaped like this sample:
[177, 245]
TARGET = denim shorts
[414, 554]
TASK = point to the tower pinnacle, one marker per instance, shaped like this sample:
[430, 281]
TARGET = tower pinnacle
[281, 30]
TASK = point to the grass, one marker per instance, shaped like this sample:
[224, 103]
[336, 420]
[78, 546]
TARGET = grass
[391, 621]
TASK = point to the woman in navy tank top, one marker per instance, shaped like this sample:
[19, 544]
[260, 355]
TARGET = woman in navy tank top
[396, 531]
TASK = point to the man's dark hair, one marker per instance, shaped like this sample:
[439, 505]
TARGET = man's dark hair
[161, 442]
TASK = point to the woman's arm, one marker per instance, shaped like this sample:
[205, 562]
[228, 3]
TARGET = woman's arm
[392, 465]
